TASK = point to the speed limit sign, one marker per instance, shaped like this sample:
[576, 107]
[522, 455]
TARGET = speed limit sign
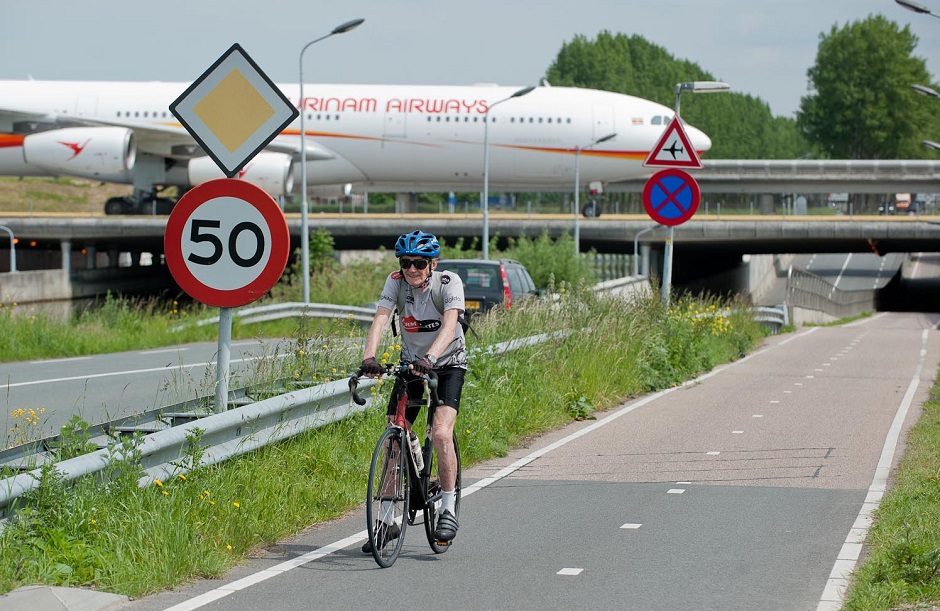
[226, 242]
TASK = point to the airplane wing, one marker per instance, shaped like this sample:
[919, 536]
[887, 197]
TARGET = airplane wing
[161, 139]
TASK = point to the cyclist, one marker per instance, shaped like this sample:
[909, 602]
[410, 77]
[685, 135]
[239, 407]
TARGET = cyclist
[430, 340]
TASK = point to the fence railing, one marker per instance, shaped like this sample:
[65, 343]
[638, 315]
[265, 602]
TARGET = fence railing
[809, 291]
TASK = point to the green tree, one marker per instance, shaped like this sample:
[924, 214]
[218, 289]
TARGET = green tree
[861, 104]
[740, 126]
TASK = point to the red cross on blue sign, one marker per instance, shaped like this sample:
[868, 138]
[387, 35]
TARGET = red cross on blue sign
[671, 197]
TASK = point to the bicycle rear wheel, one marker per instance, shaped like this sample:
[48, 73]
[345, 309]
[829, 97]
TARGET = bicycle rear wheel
[388, 497]
[434, 503]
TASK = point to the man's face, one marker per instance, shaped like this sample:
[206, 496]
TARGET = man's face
[416, 269]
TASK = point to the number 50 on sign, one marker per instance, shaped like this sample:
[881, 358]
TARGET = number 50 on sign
[226, 242]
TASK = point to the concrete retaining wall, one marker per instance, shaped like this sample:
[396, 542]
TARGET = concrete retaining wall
[34, 286]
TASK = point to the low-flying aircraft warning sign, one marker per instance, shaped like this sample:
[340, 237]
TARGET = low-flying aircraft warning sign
[674, 149]
[233, 110]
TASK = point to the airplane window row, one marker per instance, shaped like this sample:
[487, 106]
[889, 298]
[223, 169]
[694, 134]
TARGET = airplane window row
[466, 119]
[321, 117]
[127, 114]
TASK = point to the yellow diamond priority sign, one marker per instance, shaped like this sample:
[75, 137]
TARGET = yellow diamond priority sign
[233, 110]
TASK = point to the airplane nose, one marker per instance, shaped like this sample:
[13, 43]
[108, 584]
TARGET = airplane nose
[700, 141]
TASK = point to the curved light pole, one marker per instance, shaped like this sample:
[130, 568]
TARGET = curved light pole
[917, 8]
[577, 188]
[485, 203]
[636, 245]
[304, 225]
[12, 247]
[694, 87]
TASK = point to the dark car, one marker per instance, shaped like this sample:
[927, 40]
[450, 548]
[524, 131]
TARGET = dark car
[487, 283]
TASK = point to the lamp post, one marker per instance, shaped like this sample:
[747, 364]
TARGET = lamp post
[577, 188]
[304, 225]
[12, 247]
[916, 7]
[636, 241]
[931, 144]
[694, 87]
[927, 91]
[485, 204]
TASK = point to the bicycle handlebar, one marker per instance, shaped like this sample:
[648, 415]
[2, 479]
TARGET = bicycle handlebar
[390, 370]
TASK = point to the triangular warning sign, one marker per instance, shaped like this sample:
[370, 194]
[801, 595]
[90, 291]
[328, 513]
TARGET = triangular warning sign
[674, 150]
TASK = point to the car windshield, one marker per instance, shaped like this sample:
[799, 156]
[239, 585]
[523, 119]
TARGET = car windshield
[475, 276]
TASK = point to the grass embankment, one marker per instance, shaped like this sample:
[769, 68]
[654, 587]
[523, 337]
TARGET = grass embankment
[902, 565]
[121, 538]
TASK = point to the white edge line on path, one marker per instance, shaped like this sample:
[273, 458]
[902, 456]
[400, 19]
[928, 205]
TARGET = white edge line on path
[834, 593]
[279, 569]
[185, 367]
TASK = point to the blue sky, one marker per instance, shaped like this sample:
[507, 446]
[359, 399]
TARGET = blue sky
[762, 48]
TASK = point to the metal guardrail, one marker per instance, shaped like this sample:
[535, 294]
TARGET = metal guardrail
[294, 310]
[774, 317]
[809, 291]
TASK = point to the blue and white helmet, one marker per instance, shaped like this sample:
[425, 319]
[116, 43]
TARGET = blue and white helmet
[417, 243]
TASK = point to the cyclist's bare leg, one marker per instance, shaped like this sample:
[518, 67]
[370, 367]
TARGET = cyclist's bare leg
[445, 417]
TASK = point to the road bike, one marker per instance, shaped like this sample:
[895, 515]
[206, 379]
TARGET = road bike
[400, 483]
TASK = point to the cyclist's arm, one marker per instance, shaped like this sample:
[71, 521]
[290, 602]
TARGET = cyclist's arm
[447, 333]
[375, 331]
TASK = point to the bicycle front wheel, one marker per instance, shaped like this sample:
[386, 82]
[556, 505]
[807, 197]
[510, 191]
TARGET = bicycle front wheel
[388, 497]
[434, 503]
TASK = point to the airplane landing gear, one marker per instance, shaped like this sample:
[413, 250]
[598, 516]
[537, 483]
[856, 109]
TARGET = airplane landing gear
[149, 204]
[592, 210]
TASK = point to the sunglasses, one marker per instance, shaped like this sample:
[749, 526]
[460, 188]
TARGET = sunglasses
[416, 263]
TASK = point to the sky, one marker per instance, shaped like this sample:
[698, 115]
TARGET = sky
[762, 48]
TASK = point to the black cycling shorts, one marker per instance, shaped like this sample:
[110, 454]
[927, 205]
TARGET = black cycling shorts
[449, 388]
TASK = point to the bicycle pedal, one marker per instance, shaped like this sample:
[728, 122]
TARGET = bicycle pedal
[443, 543]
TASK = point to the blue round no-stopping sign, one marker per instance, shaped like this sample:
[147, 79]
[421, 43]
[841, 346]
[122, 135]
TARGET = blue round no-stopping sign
[671, 197]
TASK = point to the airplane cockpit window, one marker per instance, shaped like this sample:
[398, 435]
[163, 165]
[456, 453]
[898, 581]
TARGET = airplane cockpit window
[657, 120]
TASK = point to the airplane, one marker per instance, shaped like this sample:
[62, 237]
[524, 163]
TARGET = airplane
[673, 148]
[359, 138]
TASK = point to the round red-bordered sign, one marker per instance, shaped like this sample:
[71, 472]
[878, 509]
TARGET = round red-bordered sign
[671, 196]
[226, 242]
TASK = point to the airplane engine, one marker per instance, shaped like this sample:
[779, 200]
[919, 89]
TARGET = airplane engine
[105, 153]
[273, 172]
[343, 190]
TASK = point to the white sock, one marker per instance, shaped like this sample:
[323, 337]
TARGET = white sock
[448, 500]
[387, 513]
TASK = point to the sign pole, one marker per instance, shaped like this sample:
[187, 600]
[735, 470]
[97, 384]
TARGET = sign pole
[667, 265]
[223, 358]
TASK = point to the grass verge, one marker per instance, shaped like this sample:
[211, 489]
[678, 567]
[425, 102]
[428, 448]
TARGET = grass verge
[902, 563]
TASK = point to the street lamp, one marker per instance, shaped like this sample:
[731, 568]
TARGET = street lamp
[12, 247]
[924, 90]
[694, 87]
[304, 225]
[931, 144]
[636, 240]
[486, 168]
[916, 7]
[577, 188]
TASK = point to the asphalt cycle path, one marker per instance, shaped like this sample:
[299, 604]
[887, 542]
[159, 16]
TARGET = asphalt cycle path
[751, 487]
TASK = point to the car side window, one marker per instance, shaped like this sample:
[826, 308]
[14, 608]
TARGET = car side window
[515, 281]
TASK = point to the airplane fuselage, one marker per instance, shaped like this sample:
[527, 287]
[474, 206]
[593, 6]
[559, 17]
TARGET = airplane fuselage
[375, 137]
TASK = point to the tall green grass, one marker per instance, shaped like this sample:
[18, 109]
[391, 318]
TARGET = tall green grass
[131, 540]
[902, 565]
